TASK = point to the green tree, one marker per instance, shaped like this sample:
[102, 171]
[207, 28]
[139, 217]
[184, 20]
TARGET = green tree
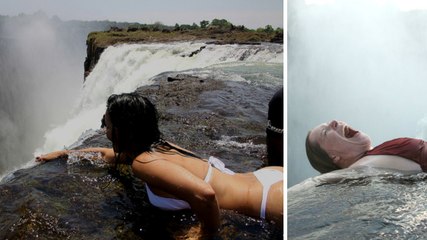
[221, 23]
[268, 29]
[204, 24]
[158, 26]
[177, 27]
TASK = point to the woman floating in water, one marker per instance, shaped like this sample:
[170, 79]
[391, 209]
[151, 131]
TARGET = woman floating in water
[177, 178]
[335, 145]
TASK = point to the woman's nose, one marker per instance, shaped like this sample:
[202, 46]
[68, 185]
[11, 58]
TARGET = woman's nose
[333, 124]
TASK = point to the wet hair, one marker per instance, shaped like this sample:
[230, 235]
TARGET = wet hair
[135, 123]
[318, 158]
[275, 112]
[274, 130]
[136, 120]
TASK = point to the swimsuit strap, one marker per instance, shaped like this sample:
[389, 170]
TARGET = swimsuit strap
[209, 174]
[264, 202]
[218, 164]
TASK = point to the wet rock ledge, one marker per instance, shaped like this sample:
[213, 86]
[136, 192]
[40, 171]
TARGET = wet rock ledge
[81, 200]
[198, 113]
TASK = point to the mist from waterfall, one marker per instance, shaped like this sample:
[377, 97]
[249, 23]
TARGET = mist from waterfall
[40, 74]
[357, 61]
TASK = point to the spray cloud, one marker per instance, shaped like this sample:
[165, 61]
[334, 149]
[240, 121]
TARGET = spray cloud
[41, 74]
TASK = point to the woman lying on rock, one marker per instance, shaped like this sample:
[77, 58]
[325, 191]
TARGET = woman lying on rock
[176, 178]
[335, 145]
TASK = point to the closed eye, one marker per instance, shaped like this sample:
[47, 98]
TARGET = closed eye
[323, 132]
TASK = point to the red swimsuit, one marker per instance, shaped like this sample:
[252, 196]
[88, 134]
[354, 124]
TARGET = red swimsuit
[409, 148]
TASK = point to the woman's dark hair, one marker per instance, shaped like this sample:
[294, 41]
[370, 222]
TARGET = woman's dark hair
[136, 120]
[274, 130]
[318, 158]
[135, 123]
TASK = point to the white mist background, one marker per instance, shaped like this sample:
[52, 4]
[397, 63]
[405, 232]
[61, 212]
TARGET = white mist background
[358, 61]
[41, 74]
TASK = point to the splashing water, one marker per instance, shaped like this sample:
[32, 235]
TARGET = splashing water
[365, 203]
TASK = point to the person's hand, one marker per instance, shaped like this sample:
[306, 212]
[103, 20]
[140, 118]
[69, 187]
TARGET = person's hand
[51, 156]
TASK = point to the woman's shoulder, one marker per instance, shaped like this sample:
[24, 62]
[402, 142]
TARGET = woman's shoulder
[146, 158]
[177, 148]
[149, 157]
[150, 163]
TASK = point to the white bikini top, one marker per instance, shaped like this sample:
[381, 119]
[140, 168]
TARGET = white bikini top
[173, 204]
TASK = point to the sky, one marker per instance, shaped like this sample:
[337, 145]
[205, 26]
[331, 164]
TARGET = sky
[250, 13]
[404, 5]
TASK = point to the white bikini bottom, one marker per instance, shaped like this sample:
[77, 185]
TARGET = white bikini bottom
[267, 177]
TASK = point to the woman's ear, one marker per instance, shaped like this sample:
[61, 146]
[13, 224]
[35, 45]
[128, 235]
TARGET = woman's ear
[335, 156]
[335, 159]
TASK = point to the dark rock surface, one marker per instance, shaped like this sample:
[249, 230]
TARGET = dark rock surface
[197, 113]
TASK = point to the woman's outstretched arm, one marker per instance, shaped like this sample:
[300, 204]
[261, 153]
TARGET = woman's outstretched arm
[107, 154]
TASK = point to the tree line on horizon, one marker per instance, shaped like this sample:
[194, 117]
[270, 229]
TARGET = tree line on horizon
[85, 27]
[215, 24]
[133, 26]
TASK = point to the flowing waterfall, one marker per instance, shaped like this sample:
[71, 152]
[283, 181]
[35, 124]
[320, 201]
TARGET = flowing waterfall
[123, 68]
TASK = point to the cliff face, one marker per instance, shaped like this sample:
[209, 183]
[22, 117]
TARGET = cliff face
[93, 53]
[97, 42]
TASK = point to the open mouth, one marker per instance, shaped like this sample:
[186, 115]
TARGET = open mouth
[349, 132]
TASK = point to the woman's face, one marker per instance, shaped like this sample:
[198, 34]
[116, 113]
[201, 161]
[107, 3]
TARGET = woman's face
[342, 143]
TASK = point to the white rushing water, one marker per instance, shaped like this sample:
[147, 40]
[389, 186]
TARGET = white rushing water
[124, 68]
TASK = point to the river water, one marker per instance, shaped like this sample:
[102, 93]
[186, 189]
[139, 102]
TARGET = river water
[364, 203]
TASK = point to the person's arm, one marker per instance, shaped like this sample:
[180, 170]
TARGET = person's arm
[107, 154]
[181, 183]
